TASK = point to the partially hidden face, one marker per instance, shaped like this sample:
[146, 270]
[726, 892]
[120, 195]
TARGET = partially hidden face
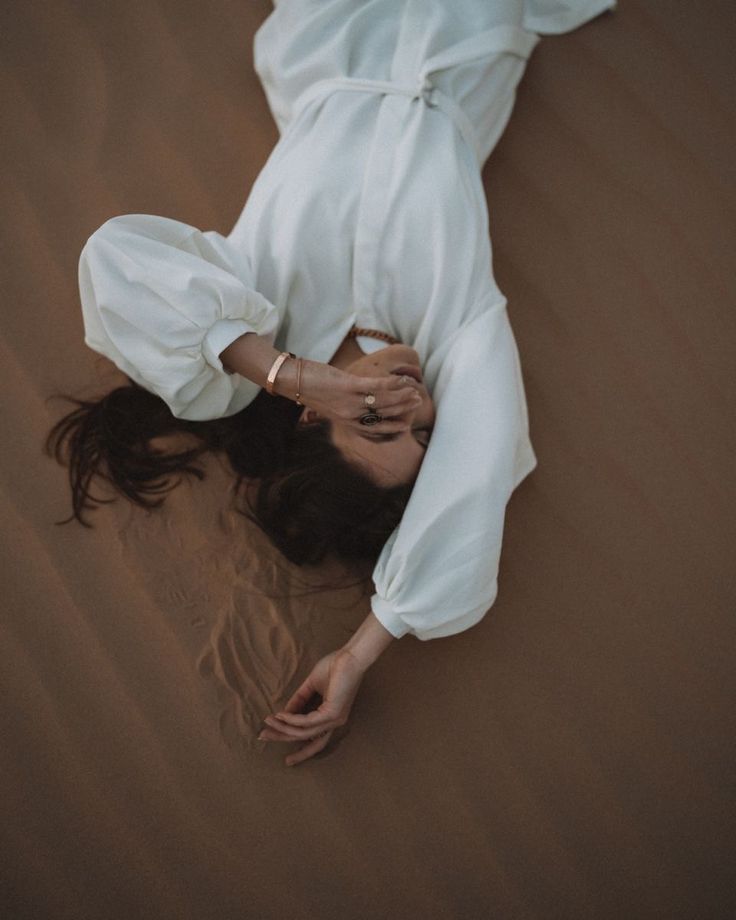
[389, 459]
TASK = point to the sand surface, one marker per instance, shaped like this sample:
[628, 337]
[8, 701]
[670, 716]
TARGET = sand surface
[570, 757]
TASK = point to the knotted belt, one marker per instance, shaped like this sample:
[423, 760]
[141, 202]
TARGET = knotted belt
[504, 38]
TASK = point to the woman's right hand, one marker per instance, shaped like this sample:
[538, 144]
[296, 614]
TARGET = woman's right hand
[340, 396]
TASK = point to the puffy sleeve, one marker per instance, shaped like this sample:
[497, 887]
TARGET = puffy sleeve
[161, 300]
[438, 573]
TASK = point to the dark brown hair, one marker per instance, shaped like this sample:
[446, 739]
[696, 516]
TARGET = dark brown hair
[303, 494]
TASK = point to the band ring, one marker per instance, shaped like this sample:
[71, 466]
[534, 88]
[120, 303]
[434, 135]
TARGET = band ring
[370, 418]
[369, 400]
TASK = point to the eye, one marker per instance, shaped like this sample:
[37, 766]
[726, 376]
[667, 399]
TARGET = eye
[422, 436]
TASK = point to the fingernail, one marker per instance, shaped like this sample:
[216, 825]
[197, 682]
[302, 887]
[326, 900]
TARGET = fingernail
[260, 737]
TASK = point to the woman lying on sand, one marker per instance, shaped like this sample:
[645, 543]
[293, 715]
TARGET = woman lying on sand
[346, 344]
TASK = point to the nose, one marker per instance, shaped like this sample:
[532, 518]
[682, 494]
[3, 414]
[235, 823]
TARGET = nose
[396, 354]
[409, 351]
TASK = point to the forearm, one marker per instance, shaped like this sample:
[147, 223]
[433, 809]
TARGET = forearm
[369, 641]
[252, 356]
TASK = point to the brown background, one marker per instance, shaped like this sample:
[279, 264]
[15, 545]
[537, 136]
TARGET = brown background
[571, 756]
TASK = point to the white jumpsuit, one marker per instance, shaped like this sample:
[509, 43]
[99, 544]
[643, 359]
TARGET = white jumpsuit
[370, 210]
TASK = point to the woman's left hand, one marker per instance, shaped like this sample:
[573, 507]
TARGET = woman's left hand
[340, 396]
[336, 678]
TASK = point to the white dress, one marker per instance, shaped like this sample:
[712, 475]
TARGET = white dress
[370, 210]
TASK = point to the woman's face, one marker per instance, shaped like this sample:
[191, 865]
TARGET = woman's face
[390, 459]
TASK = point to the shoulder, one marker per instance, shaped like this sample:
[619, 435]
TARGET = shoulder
[149, 226]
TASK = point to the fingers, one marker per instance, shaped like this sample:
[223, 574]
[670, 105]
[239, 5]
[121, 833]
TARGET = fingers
[395, 409]
[404, 401]
[385, 384]
[301, 696]
[309, 750]
[315, 744]
[271, 734]
[302, 720]
[394, 395]
[391, 382]
[304, 732]
[335, 679]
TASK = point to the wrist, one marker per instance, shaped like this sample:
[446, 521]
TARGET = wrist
[251, 356]
[316, 386]
[368, 642]
[285, 382]
[288, 383]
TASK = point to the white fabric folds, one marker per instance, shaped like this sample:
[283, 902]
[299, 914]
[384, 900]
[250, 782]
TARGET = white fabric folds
[162, 300]
[438, 574]
[370, 210]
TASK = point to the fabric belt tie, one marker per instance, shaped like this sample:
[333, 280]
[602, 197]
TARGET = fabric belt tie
[504, 38]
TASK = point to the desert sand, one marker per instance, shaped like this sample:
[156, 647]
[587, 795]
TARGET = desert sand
[570, 757]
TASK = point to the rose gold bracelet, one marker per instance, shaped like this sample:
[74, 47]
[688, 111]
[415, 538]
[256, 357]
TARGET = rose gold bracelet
[275, 368]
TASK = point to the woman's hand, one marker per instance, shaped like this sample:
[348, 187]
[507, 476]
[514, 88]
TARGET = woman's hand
[340, 396]
[331, 392]
[335, 678]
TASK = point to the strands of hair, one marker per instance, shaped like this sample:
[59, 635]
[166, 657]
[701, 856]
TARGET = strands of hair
[301, 492]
